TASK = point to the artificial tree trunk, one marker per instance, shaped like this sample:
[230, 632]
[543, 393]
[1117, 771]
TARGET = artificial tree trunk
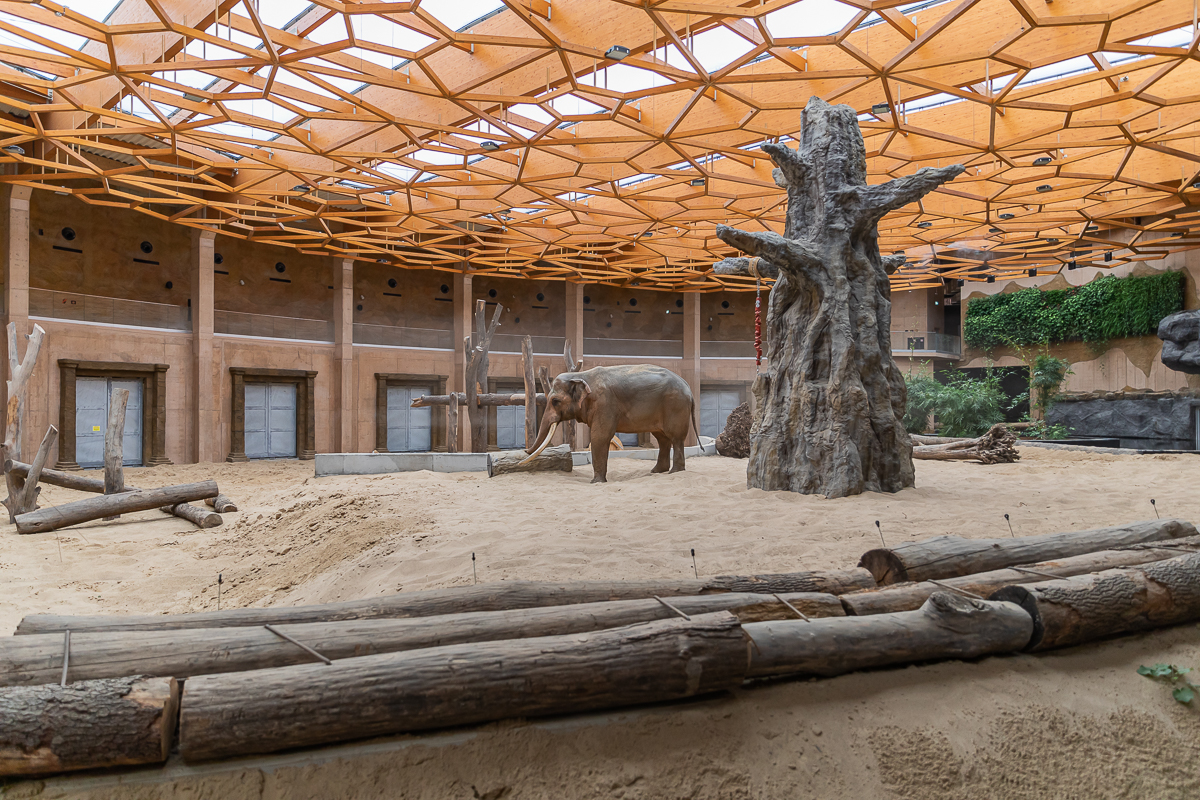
[831, 403]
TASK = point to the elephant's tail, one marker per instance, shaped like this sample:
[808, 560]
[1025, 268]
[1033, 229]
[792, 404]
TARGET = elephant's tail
[696, 425]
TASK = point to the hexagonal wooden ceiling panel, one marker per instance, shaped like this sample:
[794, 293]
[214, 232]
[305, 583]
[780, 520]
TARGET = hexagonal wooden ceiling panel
[603, 140]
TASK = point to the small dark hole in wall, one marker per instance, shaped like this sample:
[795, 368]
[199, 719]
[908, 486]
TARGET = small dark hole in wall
[68, 234]
[710, 327]
[633, 301]
[517, 320]
[491, 292]
[540, 297]
[724, 304]
[218, 258]
[679, 303]
[280, 266]
[359, 306]
[608, 325]
[392, 283]
[147, 247]
[445, 289]
[587, 299]
[170, 285]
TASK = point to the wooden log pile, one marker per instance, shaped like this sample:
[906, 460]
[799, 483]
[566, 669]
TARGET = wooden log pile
[997, 446]
[267, 680]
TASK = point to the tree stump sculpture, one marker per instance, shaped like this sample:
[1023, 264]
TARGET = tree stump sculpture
[831, 404]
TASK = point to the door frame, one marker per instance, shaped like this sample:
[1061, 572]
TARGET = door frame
[154, 405]
[304, 380]
[437, 422]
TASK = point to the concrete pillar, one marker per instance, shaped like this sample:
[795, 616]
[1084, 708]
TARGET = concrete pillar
[691, 349]
[16, 266]
[343, 338]
[574, 335]
[206, 405]
[464, 313]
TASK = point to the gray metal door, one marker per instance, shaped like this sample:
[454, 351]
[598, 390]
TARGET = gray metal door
[270, 420]
[91, 420]
[715, 408]
[628, 439]
[510, 427]
[408, 428]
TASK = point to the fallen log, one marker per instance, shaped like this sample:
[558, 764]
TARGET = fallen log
[908, 596]
[268, 710]
[107, 723]
[484, 597]
[1076, 610]
[552, 459]
[482, 399]
[997, 446]
[222, 504]
[946, 626]
[55, 517]
[200, 517]
[952, 556]
[184, 653]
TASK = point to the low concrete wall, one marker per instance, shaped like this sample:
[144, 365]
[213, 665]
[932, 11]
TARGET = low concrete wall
[1127, 415]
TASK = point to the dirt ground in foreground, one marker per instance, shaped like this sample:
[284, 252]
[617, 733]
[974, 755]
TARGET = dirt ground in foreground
[1074, 724]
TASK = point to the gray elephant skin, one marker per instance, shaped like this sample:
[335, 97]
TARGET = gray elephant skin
[627, 399]
[1180, 333]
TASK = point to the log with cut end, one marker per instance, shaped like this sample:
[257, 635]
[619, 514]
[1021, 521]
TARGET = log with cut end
[55, 517]
[952, 556]
[222, 504]
[552, 459]
[200, 517]
[1087, 607]
[946, 626]
[184, 653]
[997, 446]
[908, 596]
[265, 711]
[484, 597]
[92, 724]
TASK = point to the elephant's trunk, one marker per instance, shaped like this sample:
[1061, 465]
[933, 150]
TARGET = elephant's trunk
[545, 441]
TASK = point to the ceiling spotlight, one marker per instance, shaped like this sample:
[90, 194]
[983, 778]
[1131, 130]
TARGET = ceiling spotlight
[1045, 187]
[1108, 256]
[1007, 216]
[924, 224]
[616, 52]
[1091, 228]
[1042, 161]
[697, 181]
[15, 150]
[1052, 241]
[490, 146]
[1070, 265]
[300, 187]
[995, 230]
[1196, 184]
[879, 109]
[991, 279]
[1033, 273]
[647, 234]
[388, 192]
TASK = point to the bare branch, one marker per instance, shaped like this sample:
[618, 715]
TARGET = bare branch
[793, 169]
[884, 197]
[744, 268]
[892, 263]
[791, 255]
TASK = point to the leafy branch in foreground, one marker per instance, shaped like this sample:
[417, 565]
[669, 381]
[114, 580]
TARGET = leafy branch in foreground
[1184, 691]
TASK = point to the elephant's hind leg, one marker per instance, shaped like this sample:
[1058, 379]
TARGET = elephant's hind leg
[664, 452]
[678, 447]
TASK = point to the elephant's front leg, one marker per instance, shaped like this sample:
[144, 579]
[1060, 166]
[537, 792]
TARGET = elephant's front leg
[664, 453]
[600, 456]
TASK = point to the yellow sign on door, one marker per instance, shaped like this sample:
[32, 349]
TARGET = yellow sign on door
[95, 429]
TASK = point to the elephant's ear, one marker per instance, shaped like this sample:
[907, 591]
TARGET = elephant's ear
[577, 383]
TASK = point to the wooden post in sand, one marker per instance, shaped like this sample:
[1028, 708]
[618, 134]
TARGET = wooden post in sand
[114, 444]
[452, 423]
[478, 345]
[18, 501]
[531, 426]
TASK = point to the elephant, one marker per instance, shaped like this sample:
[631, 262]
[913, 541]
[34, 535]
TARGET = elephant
[625, 399]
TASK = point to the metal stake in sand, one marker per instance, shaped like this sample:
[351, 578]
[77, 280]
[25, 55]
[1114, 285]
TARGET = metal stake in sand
[473, 573]
[1010, 530]
[695, 571]
[880, 533]
[1156, 516]
[218, 591]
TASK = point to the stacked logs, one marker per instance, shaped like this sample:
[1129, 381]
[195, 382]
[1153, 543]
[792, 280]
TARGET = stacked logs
[997, 446]
[84, 692]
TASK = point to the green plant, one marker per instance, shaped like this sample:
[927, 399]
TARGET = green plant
[1045, 380]
[1183, 691]
[1107, 308]
[1040, 430]
[962, 405]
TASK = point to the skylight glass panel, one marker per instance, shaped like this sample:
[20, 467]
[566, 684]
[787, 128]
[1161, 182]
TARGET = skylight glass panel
[37, 29]
[718, 47]
[810, 18]
[456, 14]
[278, 13]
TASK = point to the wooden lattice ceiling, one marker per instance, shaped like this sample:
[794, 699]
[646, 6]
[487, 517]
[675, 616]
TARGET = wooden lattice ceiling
[518, 145]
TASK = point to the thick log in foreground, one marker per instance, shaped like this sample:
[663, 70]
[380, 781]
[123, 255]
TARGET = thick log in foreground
[997, 446]
[908, 596]
[946, 626]
[106, 723]
[829, 416]
[269, 710]
[55, 517]
[552, 459]
[38, 659]
[484, 597]
[953, 556]
[222, 504]
[1087, 607]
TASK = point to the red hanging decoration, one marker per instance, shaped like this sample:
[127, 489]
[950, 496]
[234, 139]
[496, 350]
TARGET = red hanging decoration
[758, 329]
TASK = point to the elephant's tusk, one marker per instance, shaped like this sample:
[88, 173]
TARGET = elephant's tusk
[546, 441]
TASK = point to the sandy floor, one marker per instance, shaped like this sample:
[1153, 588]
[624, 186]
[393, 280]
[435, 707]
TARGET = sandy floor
[1079, 723]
